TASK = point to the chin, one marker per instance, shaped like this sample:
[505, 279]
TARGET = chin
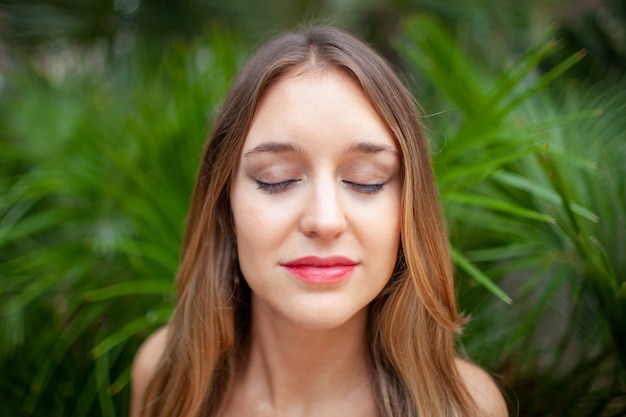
[320, 319]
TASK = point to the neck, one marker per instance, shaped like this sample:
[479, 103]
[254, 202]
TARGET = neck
[296, 371]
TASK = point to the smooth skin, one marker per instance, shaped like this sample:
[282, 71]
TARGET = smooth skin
[479, 384]
[318, 176]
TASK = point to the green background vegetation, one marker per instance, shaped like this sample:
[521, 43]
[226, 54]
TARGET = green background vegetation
[104, 109]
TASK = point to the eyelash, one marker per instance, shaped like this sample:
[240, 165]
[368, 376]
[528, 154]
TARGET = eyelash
[272, 188]
[365, 188]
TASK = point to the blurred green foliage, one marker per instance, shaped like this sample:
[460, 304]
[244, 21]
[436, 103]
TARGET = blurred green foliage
[104, 109]
[531, 172]
[97, 173]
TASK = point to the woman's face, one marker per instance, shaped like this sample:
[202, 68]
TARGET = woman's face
[316, 202]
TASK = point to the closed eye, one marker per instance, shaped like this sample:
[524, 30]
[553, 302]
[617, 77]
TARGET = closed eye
[364, 188]
[276, 187]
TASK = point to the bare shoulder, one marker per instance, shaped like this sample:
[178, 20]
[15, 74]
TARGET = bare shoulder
[483, 390]
[144, 367]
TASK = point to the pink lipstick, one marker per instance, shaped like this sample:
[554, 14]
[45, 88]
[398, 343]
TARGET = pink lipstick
[317, 270]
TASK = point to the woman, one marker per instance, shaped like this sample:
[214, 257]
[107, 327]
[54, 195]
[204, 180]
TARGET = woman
[315, 277]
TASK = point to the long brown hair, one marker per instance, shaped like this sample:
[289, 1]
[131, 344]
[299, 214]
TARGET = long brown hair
[411, 323]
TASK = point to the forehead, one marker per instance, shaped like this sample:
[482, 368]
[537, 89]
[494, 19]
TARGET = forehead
[317, 104]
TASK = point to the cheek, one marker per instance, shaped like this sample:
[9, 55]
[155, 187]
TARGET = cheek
[258, 230]
[250, 243]
[247, 225]
[384, 234]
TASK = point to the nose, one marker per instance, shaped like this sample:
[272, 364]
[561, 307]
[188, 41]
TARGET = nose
[323, 215]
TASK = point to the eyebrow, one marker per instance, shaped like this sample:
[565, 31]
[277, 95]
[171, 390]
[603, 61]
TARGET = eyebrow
[274, 147]
[370, 147]
[284, 147]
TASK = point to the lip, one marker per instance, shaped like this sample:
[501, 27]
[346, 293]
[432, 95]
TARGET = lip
[321, 270]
